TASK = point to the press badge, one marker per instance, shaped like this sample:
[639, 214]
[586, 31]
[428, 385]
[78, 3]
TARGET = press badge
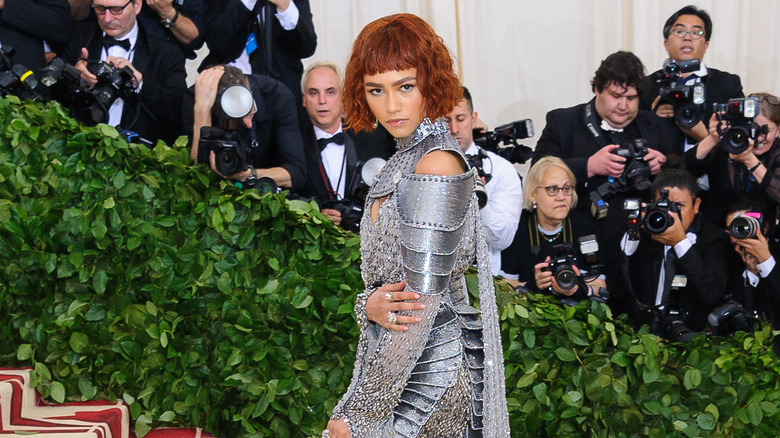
[251, 43]
[679, 281]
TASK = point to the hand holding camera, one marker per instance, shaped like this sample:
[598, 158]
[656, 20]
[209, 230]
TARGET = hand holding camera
[748, 240]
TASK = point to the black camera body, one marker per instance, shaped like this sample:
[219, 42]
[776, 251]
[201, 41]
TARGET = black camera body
[508, 134]
[739, 114]
[562, 266]
[229, 151]
[113, 83]
[669, 322]
[687, 100]
[730, 317]
[746, 225]
[657, 215]
[635, 174]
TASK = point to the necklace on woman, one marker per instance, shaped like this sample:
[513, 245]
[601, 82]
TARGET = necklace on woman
[550, 236]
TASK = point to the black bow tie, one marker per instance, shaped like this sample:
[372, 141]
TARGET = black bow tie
[109, 42]
[338, 139]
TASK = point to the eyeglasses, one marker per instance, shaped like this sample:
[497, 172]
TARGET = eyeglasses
[774, 100]
[680, 32]
[553, 190]
[115, 10]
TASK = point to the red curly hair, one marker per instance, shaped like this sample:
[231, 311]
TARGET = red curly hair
[394, 43]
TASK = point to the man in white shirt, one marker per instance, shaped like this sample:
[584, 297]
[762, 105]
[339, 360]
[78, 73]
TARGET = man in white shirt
[504, 189]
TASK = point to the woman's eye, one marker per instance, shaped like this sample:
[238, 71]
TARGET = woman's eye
[374, 91]
[407, 87]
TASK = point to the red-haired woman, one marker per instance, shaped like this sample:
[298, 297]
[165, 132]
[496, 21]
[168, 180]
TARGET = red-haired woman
[428, 365]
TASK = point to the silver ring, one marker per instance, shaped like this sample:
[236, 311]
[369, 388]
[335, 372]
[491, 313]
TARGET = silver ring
[325, 433]
[392, 318]
[389, 296]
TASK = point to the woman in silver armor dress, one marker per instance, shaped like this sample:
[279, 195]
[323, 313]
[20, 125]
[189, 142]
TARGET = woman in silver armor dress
[428, 364]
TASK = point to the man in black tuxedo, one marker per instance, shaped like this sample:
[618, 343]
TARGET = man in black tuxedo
[675, 278]
[267, 37]
[158, 70]
[333, 153]
[26, 24]
[687, 36]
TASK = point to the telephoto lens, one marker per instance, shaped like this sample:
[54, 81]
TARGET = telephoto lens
[744, 226]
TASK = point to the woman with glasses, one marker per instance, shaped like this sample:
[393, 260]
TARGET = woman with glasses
[754, 172]
[549, 230]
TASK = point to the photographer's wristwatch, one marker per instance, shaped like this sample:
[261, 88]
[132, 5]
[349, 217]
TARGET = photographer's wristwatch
[168, 23]
[252, 178]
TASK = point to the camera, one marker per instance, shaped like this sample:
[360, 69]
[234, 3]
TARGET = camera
[657, 217]
[90, 103]
[351, 208]
[739, 113]
[230, 154]
[669, 322]
[508, 134]
[16, 79]
[745, 225]
[351, 213]
[730, 317]
[687, 100]
[562, 266]
[635, 175]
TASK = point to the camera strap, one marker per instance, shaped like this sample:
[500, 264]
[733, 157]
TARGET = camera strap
[592, 124]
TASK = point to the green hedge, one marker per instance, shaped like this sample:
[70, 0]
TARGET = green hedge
[127, 274]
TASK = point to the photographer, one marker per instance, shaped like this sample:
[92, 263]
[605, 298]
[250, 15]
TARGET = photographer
[755, 279]
[755, 172]
[502, 184]
[676, 272]
[333, 162]
[687, 36]
[550, 230]
[268, 134]
[585, 135]
[155, 71]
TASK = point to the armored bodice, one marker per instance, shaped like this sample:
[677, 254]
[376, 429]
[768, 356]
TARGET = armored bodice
[380, 239]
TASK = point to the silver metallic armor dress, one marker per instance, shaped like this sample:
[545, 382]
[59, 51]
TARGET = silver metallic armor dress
[444, 377]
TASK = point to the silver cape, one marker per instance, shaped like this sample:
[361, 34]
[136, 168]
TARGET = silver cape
[445, 375]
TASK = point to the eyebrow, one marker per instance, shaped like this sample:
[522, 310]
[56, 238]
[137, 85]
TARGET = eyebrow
[695, 26]
[396, 83]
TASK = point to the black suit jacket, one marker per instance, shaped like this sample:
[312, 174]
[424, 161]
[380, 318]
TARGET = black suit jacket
[26, 24]
[705, 265]
[361, 146]
[229, 23]
[163, 88]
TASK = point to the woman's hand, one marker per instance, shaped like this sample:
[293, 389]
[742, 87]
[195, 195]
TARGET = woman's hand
[392, 298]
[542, 277]
[338, 429]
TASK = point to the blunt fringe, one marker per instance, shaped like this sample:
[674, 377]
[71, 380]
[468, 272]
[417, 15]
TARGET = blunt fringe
[400, 42]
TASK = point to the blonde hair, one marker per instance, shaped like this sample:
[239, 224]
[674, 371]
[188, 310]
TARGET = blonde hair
[535, 175]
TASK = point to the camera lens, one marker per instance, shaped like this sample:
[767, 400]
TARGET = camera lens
[735, 141]
[565, 277]
[227, 161]
[687, 116]
[743, 227]
[657, 221]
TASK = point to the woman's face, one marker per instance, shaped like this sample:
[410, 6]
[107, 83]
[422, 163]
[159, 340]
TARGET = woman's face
[764, 142]
[553, 208]
[395, 100]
